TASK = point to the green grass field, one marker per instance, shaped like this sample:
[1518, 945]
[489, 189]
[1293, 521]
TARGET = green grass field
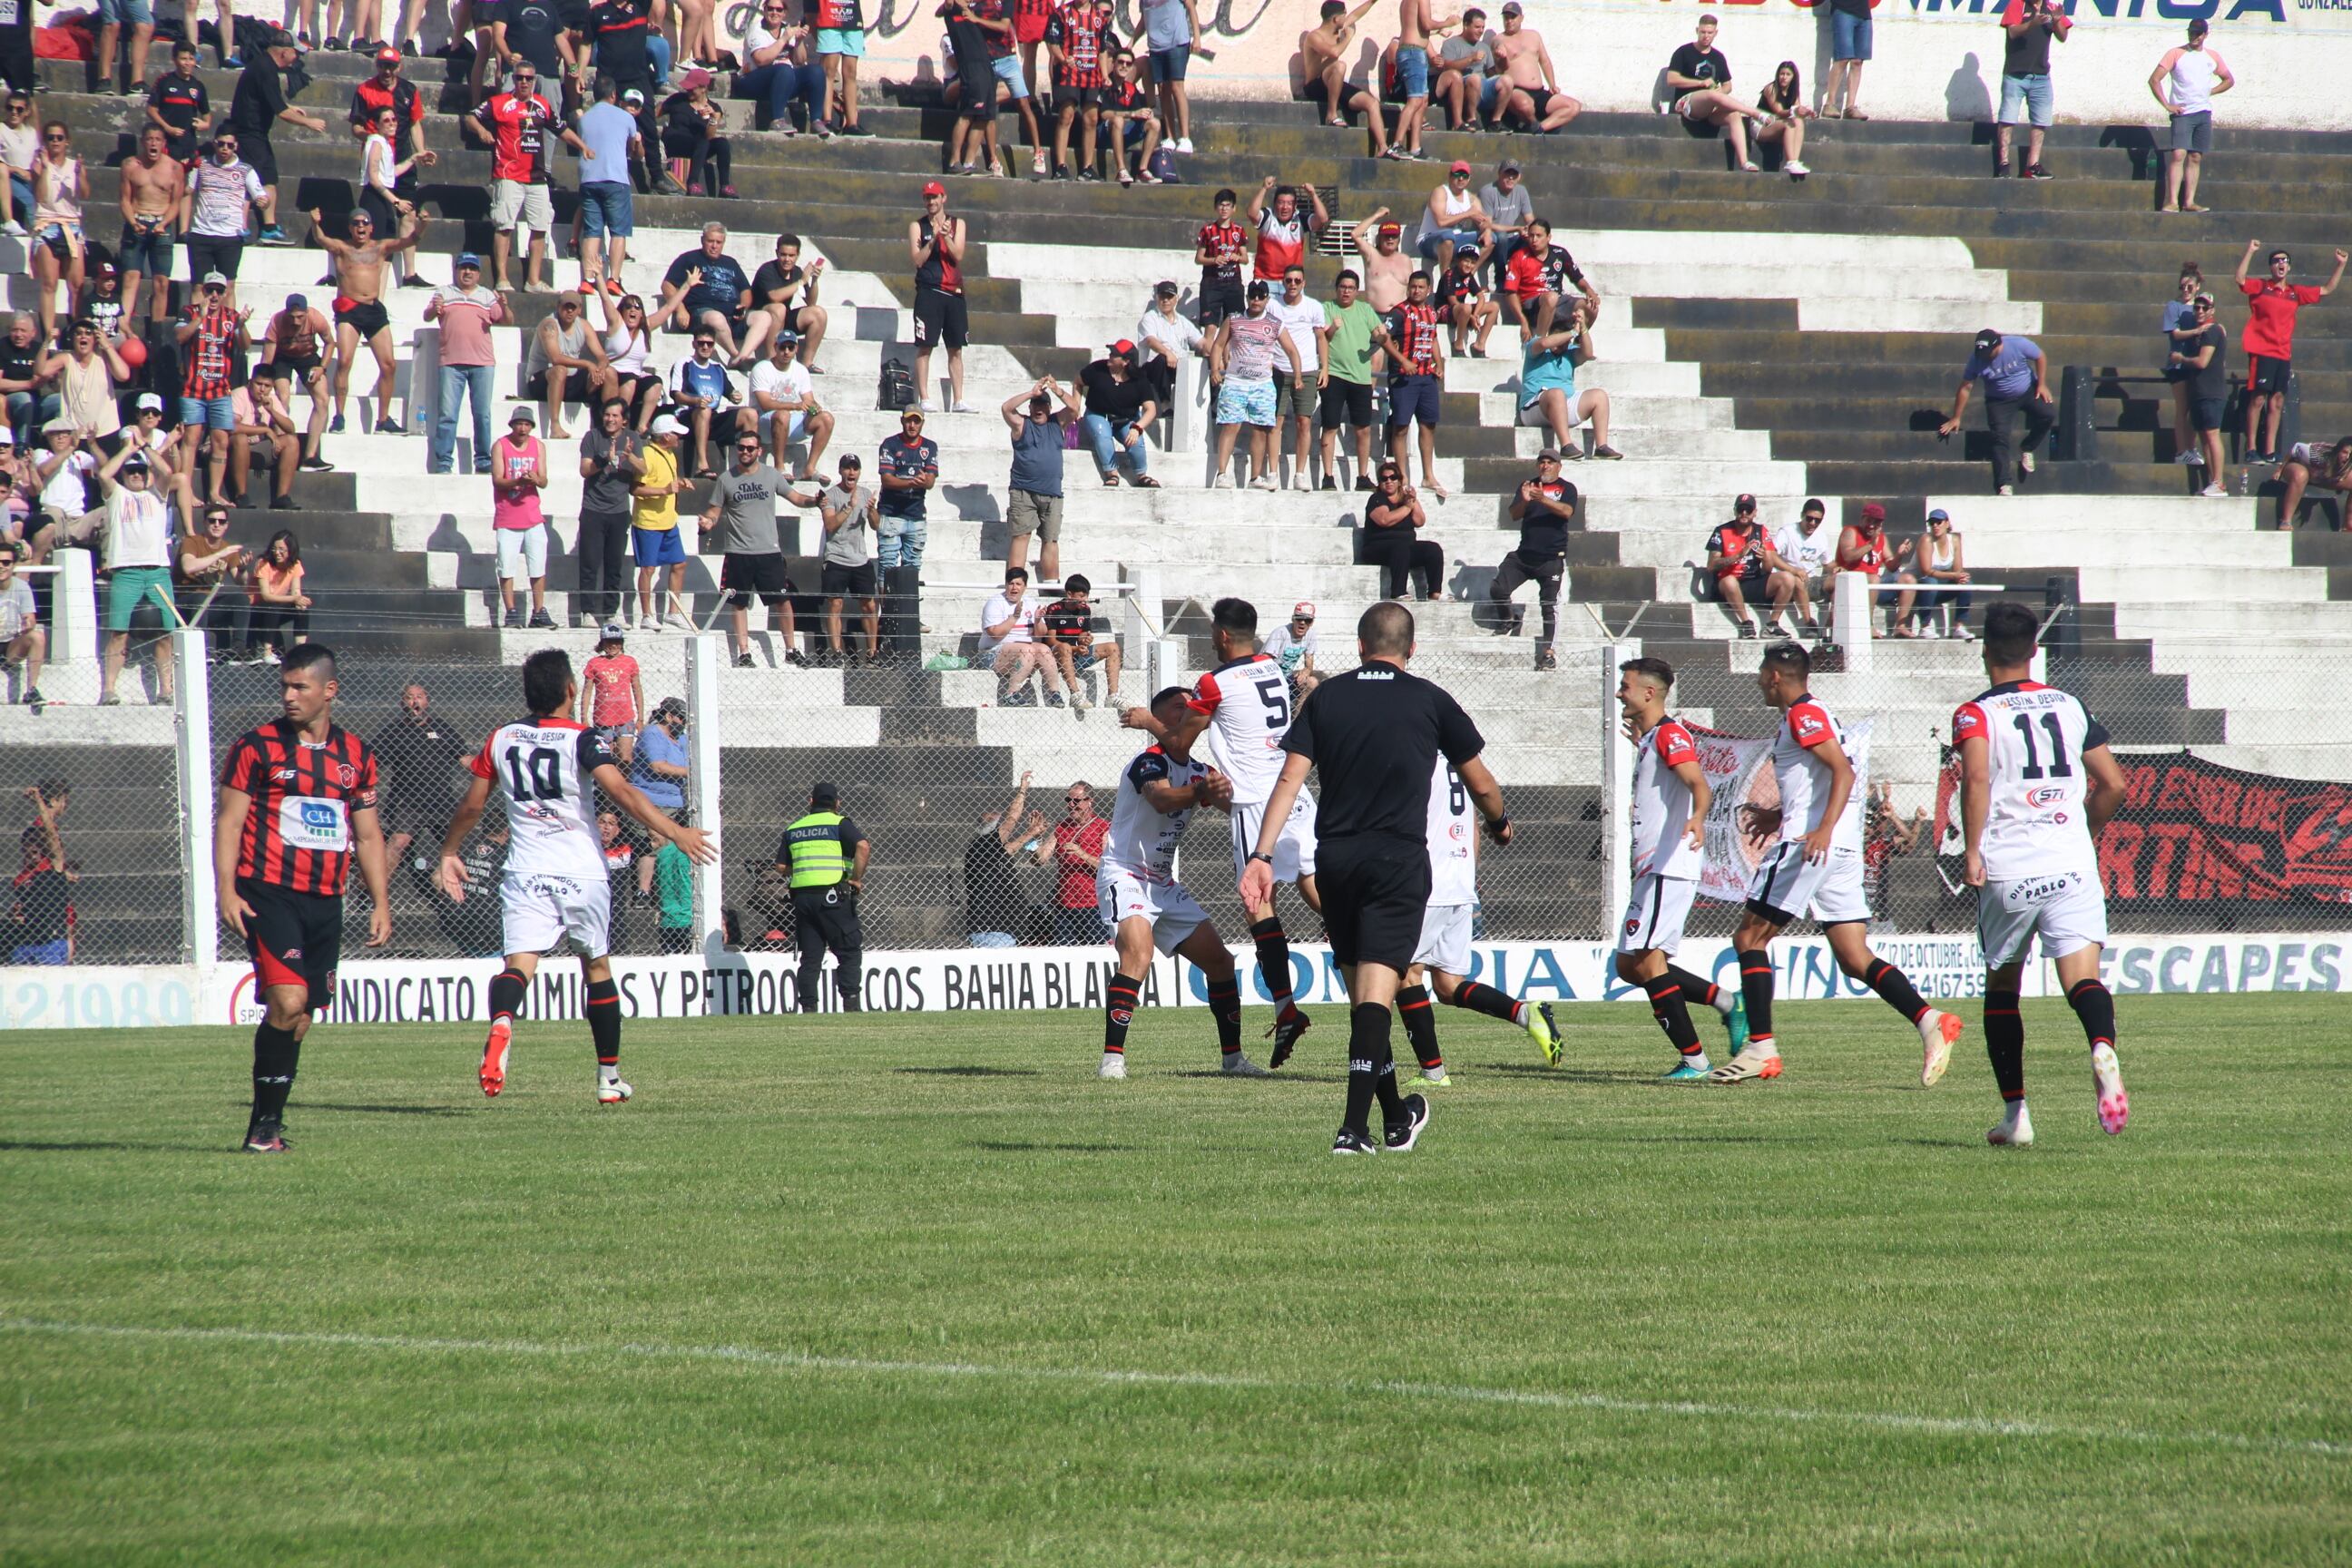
[905, 1289]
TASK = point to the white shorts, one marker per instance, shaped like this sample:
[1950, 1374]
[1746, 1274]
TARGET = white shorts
[542, 911]
[1174, 913]
[1579, 402]
[516, 205]
[1828, 893]
[796, 429]
[1445, 938]
[2068, 910]
[522, 554]
[1654, 914]
[1293, 852]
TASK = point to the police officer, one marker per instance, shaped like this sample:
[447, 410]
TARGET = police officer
[824, 856]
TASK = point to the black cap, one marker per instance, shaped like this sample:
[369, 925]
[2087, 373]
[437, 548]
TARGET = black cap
[1258, 290]
[824, 795]
[1988, 341]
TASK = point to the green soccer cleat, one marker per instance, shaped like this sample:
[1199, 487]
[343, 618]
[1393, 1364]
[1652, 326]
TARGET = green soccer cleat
[1545, 1032]
[1737, 1022]
[1690, 1069]
[1425, 1082]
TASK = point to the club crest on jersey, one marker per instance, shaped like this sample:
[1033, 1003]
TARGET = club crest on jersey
[346, 775]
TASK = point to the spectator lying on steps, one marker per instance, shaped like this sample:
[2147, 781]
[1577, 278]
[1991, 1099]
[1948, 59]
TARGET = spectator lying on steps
[2310, 463]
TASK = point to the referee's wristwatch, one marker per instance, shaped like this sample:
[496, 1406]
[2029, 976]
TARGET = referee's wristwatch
[1260, 855]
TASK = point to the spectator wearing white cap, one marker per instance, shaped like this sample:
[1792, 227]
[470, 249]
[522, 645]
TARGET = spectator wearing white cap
[518, 475]
[1293, 646]
[653, 526]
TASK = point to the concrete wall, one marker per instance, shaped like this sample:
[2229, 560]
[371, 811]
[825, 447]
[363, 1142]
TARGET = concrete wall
[1936, 59]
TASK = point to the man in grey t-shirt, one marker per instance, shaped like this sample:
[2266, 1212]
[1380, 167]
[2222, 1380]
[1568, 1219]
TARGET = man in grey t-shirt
[852, 514]
[1508, 207]
[611, 461]
[1466, 70]
[743, 511]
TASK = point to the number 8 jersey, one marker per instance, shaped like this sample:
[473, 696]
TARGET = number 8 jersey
[544, 770]
[2035, 738]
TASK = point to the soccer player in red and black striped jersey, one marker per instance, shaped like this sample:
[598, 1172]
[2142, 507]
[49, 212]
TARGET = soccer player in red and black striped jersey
[297, 803]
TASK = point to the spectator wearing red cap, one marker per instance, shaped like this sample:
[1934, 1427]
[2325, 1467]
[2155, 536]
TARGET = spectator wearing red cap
[1120, 409]
[1452, 217]
[1863, 547]
[935, 243]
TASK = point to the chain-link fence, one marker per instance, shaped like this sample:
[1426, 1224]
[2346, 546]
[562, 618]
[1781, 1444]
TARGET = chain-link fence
[114, 808]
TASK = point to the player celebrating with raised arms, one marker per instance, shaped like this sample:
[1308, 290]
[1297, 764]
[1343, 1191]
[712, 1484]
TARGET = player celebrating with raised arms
[1814, 870]
[2037, 784]
[554, 886]
[1670, 803]
[297, 802]
[1444, 953]
[1243, 705]
[1136, 886]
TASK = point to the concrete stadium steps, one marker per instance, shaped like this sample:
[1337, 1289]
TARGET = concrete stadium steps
[120, 829]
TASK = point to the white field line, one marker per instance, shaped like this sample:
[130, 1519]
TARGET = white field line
[794, 1361]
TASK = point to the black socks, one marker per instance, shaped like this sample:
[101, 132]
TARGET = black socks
[1672, 1013]
[276, 1053]
[507, 993]
[1421, 1028]
[1371, 1070]
[2095, 1005]
[1226, 1001]
[1756, 985]
[1485, 999]
[1118, 1011]
[1273, 963]
[2005, 1042]
[604, 1021]
[1893, 986]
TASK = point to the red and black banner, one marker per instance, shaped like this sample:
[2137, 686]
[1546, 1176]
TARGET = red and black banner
[2195, 836]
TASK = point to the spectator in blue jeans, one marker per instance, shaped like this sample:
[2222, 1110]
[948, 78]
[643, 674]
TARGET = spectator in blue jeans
[1120, 409]
[908, 466]
[777, 67]
[467, 313]
[1850, 50]
[612, 145]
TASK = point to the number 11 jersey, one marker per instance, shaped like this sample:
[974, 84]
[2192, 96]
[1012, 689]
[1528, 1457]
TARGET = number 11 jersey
[544, 770]
[2035, 738]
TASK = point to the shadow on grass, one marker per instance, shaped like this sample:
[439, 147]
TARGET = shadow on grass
[303, 1107]
[1567, 1074]
[972, 1071]
[101, 1146]
[993, 1147]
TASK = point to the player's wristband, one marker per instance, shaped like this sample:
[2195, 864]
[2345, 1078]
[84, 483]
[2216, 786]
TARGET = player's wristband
[1261, 855]
[1497, 825]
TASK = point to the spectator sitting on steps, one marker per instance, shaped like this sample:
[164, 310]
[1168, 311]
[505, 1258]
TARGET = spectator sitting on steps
[1323, 62]
[1468, 303]
[1393, 520]
[1933, 580]
[1746, 565]
[1008, 642]
[1786, 111]
[1549, 398]
[2310, 463]
[1809, 547]
[662, 764]
[1701, 80]
[1068, 623]
[1120, 409]
[706, 289]
[1533, 95]
[1864, 548]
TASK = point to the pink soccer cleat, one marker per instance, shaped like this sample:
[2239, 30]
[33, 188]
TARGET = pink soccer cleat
[2107, 1078]
[494, 1057]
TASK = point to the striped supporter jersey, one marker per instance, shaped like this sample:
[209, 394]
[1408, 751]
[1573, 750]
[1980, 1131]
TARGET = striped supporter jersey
[298, 836]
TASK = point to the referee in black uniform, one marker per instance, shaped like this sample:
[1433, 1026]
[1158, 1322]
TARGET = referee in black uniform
[1375, 733]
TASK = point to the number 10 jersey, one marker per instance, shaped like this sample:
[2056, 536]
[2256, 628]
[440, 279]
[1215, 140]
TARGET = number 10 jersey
[2035, 738]
[544, 770]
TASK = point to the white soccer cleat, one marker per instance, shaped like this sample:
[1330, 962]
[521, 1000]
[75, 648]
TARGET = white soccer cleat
[2015, 1129]
[1114, 1065]
[612, 1091]
[1938, 1033]
[1240, 1065]
[2107, 1078]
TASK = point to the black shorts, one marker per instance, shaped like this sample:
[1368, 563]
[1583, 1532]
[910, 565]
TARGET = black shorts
[366, 317]
[1345, 402]
[579, 387]
[1067, 97]
[1375, 891]
[293, 939]
[297, 368]
[213, 253]
[2266, 374]
[741, 576]
[1219, 300]
[259, 156]
[847, 582]
[941, 320]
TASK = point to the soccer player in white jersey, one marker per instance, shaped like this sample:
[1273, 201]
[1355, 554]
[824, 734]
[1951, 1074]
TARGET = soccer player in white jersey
[546, 770]
[1135, 883]
[1243, 706]
[1444, 948]
[1670, 803]
[1814, 870]
[2037, 784]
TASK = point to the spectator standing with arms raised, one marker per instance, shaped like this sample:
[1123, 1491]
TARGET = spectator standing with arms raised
[2271, 307]
[467, 312]
[2016, 379]
[1035, 505]
[2028, 28]
[2186, 81]
[1284, 232]
[935, 244]
[1532, 89]
[360, 262]
[1850, 50]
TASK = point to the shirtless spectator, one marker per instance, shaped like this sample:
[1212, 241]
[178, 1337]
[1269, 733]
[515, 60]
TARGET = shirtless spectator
[1531, 94]
[360, 316]
[1387, 269]
[783, 299]
[1323, 65]
[298, 343]
[1467, 84]
[154, 192]
[2309, 464]
[1539, 273]
[1416, 28]
[1701, 80]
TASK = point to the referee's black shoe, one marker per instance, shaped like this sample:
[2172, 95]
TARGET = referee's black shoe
[1402, 1135]
[1285, 1035]
[1353, 1143]
[266, 1136]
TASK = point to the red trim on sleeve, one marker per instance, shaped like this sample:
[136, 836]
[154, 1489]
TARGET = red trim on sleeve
[1205, 695]
[1675, 744]
[1809, 725]
[480, 764]
[1969, 723]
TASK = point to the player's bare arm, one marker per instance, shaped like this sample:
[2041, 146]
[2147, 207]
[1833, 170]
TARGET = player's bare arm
[1702, 798]
[228, 827]
[1832, 756]
[2108, 791]
[1976, 804]
[700, 847]
[451, 876]
[1486, 795]
[367, 834]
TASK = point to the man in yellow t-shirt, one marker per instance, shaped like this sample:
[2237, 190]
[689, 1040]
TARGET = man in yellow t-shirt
[654, 536]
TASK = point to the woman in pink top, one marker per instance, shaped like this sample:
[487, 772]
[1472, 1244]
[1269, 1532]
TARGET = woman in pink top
[517, 473]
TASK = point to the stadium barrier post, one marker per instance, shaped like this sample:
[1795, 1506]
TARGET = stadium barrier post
[1852, 620]
[1140, 618]
[706, 654]
[73, 610]
[192, 743]
[1616, 781]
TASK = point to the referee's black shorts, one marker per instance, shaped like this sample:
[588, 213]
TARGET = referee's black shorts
[293, 939]
[1375, 890]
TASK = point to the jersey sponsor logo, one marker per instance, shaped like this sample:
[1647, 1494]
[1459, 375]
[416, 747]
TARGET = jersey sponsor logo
[1807, 724]
[286, 775]
[2048, 794]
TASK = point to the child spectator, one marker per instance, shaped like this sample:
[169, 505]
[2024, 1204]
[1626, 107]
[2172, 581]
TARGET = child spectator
[617, 693]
